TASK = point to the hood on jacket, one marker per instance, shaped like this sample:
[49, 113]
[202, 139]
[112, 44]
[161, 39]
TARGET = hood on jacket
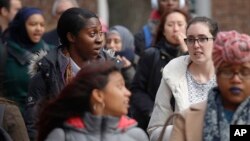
[33, 67]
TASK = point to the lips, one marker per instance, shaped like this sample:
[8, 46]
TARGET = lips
[235, 90]
[97, 50]
[198, 53]
[127, 103]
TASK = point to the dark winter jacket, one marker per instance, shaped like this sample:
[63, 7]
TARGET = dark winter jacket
[16, 77]
[147, 79]
[98, 128]
[47, 82]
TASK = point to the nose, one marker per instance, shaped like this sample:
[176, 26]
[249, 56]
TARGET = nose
[196, 44]
[127, 92]
[39, 27]
[99, 38]
[112, 44]
[176, 28]
[236, 78]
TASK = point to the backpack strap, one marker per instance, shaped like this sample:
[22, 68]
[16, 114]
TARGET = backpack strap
[2, 109]
[147, 36]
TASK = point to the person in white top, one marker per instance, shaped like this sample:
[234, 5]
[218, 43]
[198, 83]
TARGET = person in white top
[187, 78]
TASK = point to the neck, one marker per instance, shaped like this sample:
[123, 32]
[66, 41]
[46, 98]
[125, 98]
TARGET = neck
[4, 24]
[77, 59]
[202, 72]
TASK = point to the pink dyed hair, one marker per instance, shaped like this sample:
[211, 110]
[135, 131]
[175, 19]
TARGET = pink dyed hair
[231, 47]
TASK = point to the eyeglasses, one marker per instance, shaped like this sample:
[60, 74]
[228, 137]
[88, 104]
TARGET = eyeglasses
[229, 74]
[201, 41]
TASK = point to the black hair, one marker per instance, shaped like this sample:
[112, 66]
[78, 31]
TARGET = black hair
[74, 99]
[72, 21]
[212, 25]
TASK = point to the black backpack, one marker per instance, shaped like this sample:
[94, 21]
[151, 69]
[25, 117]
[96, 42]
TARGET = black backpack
[4, 135]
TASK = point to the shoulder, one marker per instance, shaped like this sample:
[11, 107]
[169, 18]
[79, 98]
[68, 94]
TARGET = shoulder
[150, 53]
[134, 132]
[6, 101]
[179, 61]
[33, 67]
[178, 64]
[42, 60]
[57, 134]
[194, 108]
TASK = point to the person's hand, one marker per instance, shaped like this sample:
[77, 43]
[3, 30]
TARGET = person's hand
[180, 37]
[126, 62]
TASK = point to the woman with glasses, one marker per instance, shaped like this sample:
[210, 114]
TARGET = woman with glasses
[229, 103]
[186, 79]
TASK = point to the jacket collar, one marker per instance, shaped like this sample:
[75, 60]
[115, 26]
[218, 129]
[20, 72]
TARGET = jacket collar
[22, 55]
[98, 123]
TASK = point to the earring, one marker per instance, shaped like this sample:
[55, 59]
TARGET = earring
[103, 105]
[94, 107]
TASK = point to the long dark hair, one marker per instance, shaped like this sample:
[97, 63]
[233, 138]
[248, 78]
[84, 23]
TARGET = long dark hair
[160, 28]
[72, 21]
[74, 99]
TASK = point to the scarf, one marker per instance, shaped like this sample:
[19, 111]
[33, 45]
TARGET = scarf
[216, 127]
[68, 75]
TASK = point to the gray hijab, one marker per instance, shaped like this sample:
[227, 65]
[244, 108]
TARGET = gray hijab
[126, 36]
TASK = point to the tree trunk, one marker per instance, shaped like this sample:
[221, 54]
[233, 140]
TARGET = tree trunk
[130, 13]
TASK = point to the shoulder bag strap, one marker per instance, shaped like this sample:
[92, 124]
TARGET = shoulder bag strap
[168, 122]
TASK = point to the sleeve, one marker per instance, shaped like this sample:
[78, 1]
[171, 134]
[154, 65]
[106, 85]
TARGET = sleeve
[140, 97]
[14, 124]
[128, 74]
[57, 134]
[37, 90]
[162, 110]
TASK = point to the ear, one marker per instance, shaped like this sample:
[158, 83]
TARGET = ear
[97, 95]
[70, 37]
[4, 12]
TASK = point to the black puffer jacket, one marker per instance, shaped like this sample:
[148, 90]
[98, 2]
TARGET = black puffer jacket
[147, 79]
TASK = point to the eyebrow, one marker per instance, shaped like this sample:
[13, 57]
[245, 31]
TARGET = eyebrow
[200, 35]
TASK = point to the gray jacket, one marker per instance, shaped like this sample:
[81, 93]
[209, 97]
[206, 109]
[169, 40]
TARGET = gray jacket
[98, 128]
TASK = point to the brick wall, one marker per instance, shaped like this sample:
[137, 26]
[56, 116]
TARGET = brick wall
[232, 14]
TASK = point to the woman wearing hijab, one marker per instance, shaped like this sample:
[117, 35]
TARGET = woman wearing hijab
[229, 103]
[24, 42]
[120, 40]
